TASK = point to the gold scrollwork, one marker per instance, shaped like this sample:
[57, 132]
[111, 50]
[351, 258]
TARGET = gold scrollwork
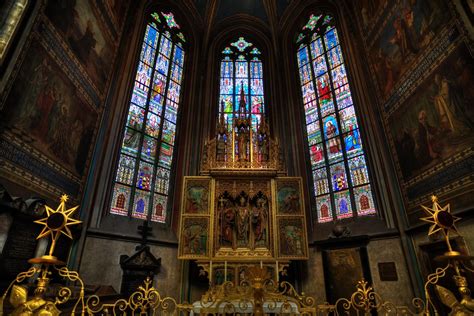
[11, 25]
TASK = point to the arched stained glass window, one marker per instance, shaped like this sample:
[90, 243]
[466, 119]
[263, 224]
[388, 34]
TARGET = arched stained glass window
[241, 74]
[143, 173]
[341, 182]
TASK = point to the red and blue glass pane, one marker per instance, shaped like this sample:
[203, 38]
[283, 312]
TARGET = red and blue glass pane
[178, 56]
[166, 155]
[339, 124]
[144, 176]
[321, 184]
[241, 69]
[140, 204]
[159, 208]
[163, 60]
[168, 133]
[241, 75]
[162, 180]
[364, 200]
[358, 169]
[120, 199]
[130, 142]
[125, 170]
[342, 201]
[149, 147]
[324, 208]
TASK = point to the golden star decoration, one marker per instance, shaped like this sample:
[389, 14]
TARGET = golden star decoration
[440, 218]
[57, 221]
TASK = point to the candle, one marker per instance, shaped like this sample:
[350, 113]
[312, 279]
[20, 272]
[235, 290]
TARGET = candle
[261, 264]
[225, 271]
[278, 274]
[210, 273]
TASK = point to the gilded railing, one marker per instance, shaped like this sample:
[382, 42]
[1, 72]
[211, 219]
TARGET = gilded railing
[260, 295]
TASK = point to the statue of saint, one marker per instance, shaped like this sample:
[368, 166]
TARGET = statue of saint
[259, 221]
[227, 223]
[221, 144]
[263, 147]
[243, 223]
[242, 144]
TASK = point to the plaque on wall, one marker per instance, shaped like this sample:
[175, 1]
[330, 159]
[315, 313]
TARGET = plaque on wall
[343, 268]
[387, 271]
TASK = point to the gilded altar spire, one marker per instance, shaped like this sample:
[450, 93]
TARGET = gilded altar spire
[221, 123]
[242, 108]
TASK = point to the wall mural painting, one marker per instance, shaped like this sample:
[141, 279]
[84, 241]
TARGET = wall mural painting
[288, 198]
[118, 8]
[407, 33]
[195, 232]
[84, 33]
[46, 105]
[292, 237]
[437, 121]
[197, 197]
[368, 11]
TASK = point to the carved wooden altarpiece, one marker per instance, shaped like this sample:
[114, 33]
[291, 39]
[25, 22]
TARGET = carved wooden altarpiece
[242, 210]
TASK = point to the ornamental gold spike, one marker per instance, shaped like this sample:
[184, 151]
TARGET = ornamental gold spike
[57, 222]
[441, 219]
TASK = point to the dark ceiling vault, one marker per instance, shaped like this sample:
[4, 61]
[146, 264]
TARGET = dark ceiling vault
[226, 8]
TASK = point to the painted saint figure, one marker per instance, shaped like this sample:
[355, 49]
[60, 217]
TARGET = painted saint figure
[227, 222]
[259, 221]
[243, 223]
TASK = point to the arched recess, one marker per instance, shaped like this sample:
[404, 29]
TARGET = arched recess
[226, 31]
[380, 166]
[97, 197]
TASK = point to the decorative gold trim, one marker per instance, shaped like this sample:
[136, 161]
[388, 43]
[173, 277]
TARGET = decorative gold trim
[10, 27]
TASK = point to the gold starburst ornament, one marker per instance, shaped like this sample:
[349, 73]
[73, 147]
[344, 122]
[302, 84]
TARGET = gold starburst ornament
[55, 223]
[442, 221]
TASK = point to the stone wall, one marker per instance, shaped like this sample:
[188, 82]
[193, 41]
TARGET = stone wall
[100, 264]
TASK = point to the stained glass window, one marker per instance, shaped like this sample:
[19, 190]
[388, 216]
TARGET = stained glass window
[241, 70]
[141, 185]
[340, 174]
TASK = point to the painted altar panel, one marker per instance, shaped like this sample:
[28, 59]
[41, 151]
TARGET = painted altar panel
[239, 221]
[288, 197]
[195, 228]
[243, 222]
[197, 193]
[290, 219]
[194, 243]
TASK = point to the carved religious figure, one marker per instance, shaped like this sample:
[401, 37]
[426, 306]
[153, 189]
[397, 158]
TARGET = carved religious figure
[243, 222]
[221, 147]
[227, 222]
[259, 221]
[242, 141]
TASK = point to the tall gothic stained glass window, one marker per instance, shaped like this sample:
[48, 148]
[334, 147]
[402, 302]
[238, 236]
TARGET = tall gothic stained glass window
[143, 173]
[241, 70]
[341, 183]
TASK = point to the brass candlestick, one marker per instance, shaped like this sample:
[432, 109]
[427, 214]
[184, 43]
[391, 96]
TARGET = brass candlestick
[443, 221]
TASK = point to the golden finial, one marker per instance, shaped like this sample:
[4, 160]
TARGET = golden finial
[55, 223]
[441, 220]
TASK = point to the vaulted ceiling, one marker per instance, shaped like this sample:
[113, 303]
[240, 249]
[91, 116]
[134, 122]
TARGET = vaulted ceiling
[226, 8]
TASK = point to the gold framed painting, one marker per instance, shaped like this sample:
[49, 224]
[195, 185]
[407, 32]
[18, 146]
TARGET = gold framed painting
[292, 238]
[196, 197]
[194, 238]
[289, 196]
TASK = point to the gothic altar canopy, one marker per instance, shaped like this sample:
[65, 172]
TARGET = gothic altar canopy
[242, 210]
